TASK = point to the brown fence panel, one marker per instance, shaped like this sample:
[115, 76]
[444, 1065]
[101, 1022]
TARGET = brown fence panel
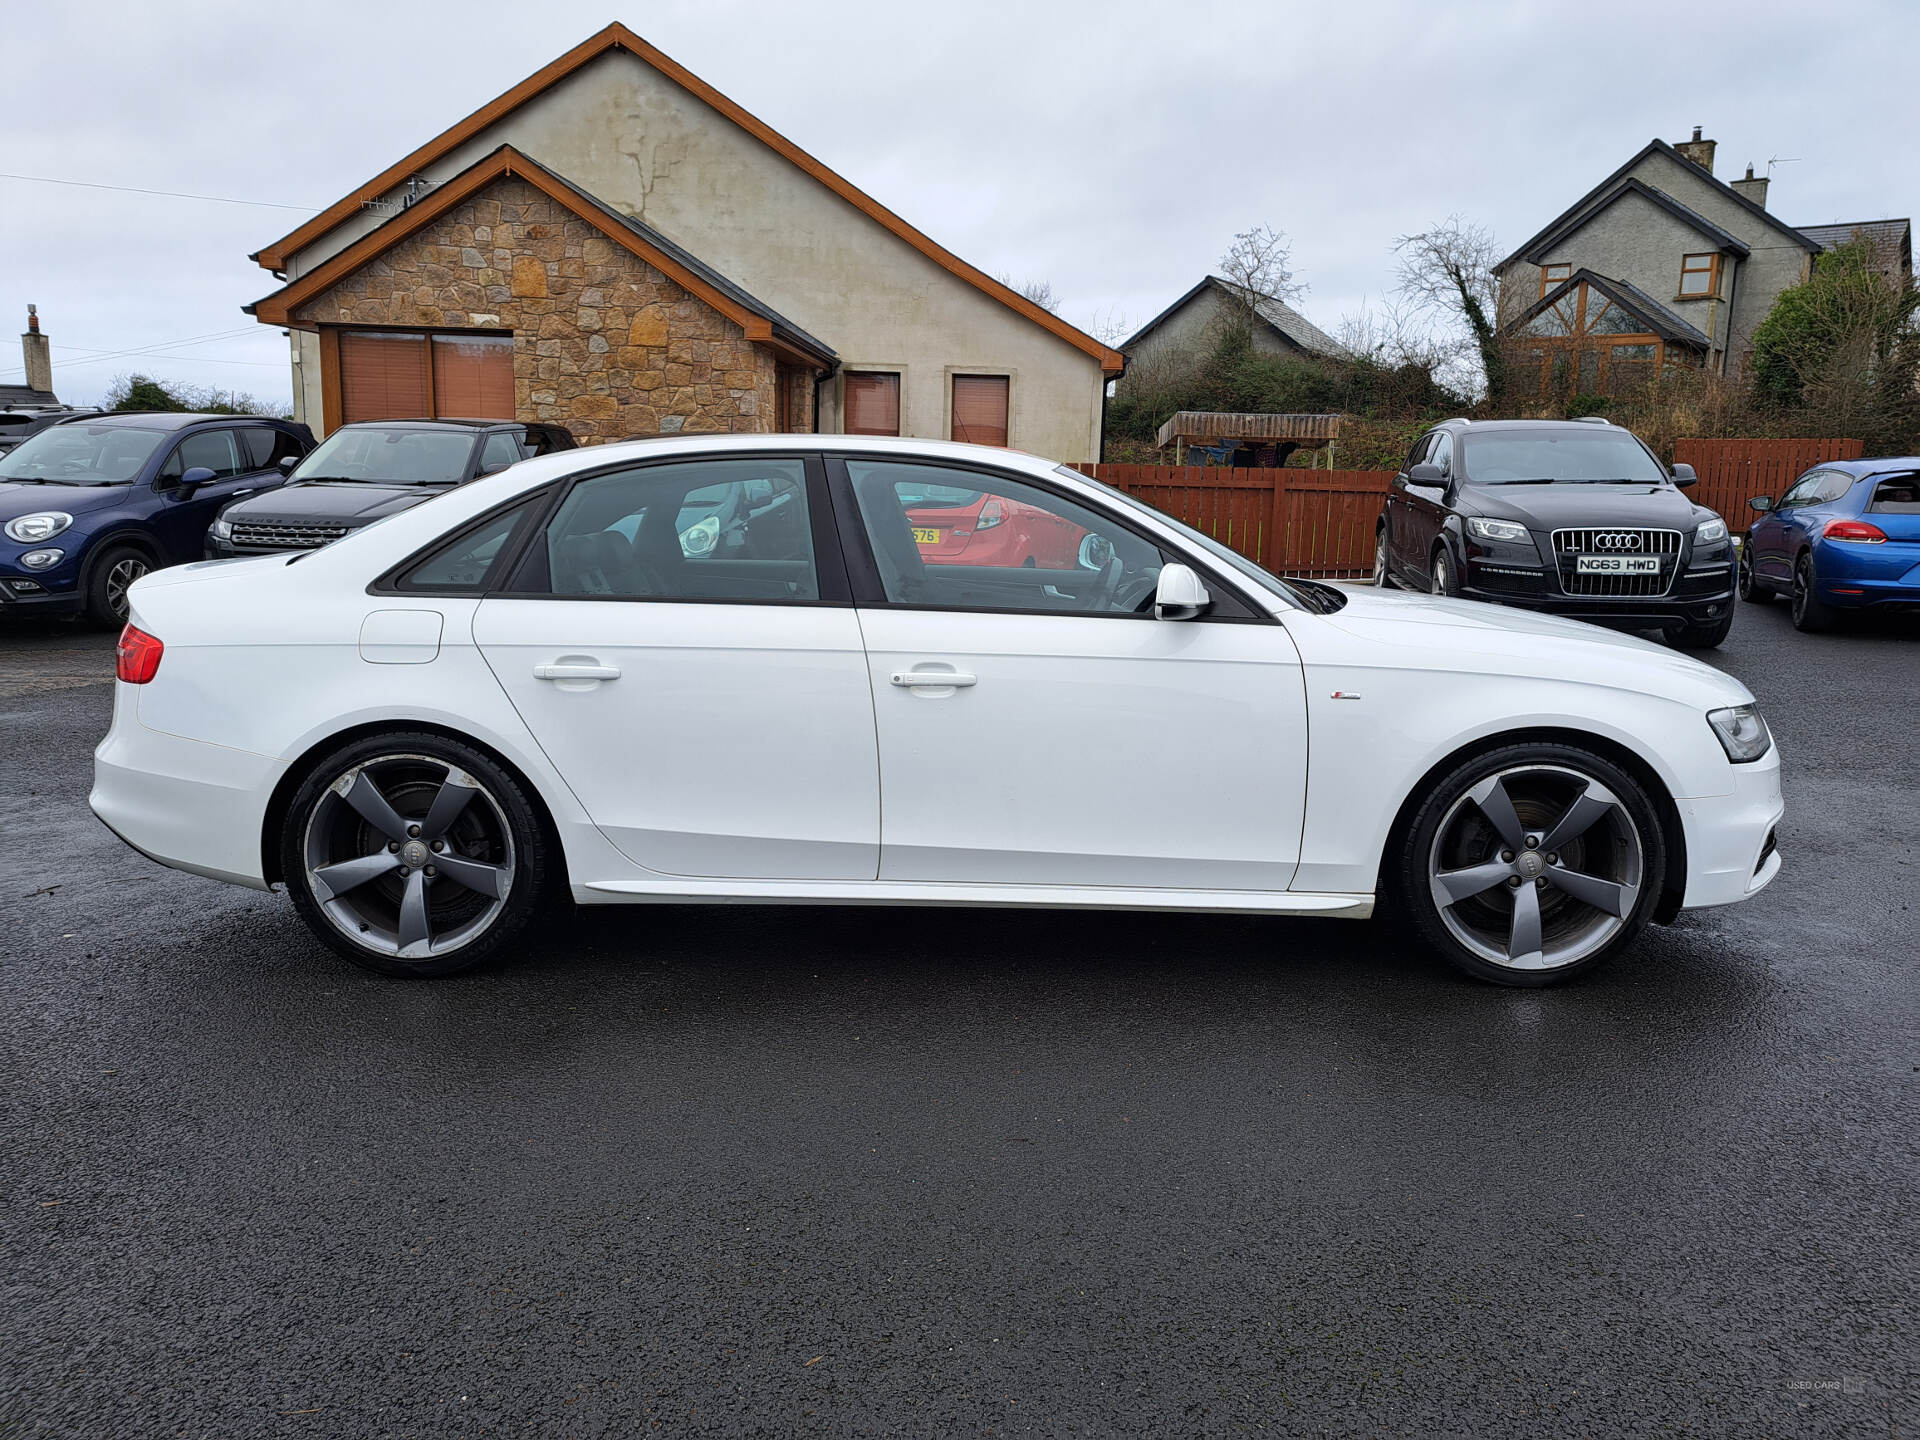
[1298, 522]
[1734, 471]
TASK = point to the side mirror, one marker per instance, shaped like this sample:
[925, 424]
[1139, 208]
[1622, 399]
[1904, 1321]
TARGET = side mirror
[1180, 595]
[195, 478]
[286, 463]
[1683, 476]
[1427, 475]
[1762, 503]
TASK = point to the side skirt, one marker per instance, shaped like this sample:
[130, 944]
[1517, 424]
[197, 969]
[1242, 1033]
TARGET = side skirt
[886, 892]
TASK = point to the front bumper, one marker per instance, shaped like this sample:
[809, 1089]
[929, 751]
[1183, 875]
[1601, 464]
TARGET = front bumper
[1696, 595]
[1733, 839]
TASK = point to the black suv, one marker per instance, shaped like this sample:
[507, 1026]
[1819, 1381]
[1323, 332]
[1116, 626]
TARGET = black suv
[1572, 516]
[366, 471]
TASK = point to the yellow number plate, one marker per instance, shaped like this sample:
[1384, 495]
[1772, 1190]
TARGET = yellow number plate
[925, 537]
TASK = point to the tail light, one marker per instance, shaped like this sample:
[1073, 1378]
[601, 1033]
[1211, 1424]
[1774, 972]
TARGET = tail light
[1858, 531]
[991, 515]
[139, 656]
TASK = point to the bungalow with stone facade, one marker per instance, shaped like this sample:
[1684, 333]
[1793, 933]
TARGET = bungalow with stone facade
[616, 246]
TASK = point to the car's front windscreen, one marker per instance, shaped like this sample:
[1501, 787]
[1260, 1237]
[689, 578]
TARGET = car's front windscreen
[81, 455]
[1231, 558]
[1536, 458]
[397, 456]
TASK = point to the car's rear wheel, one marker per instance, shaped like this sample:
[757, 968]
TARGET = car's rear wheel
[1444, 581]
[1752, 589]
[1810, 612]
[1531, 863]
[415, 855]
[112, 575]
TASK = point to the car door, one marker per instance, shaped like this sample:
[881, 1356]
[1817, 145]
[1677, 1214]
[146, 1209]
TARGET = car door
[712, 714]
[1037, 726]
[1427, 510]
[1399, 517]
[1774, 538]
[184, 514]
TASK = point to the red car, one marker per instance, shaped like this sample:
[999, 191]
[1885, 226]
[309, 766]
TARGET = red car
[970, 527]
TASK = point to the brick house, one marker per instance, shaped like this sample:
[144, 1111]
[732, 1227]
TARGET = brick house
[1660, 264]
[615, 246]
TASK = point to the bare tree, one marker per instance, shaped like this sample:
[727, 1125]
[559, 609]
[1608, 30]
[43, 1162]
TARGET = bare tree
[1259, 265]
[1448, 272]
[1040, 292]
[1110, 326]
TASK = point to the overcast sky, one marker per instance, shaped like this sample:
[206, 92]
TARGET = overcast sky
[1111, 149]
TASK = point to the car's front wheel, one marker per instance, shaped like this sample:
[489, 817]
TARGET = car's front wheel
[108, 582]
[1444, 581]
[412, 854]
[1382, 571]
[1531, 863]
[1751, 588]
[1701, 637]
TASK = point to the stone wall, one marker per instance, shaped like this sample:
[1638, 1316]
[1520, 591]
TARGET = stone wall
[603, 343]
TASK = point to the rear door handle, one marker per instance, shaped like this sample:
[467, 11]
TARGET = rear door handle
[917, 679]
[576, 670]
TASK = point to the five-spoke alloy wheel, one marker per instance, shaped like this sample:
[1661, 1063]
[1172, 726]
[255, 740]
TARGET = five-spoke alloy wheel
[1531, 863]
[413, 854]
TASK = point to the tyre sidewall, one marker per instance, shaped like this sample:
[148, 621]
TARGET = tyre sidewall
[1412, 893]
[534, 850]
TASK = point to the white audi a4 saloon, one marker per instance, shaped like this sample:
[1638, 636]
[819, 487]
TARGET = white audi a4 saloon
[834, 669]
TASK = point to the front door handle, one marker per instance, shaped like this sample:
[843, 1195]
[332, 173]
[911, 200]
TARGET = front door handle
[933, 679]
[576, 670]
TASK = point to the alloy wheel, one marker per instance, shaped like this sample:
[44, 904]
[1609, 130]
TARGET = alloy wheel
[409, 856]
[1440, 585]
[1802, 590]
[1381, 580]
[1536, 867]
[120, 579]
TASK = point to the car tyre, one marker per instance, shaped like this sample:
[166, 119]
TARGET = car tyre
[1752, 589]
[1701, 637]
[415, 855]
[1810, 613]
[1382, 571]
[1529, 864]
[1444, 581]
[108, 580]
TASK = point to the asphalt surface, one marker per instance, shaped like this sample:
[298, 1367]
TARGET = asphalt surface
[875, 1172]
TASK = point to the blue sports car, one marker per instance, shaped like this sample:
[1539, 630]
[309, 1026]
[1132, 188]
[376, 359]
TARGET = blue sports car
[88, 507]
[1845, 537]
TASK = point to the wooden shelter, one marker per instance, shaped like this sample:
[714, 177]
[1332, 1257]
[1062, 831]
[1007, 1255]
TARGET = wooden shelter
[1248, 440]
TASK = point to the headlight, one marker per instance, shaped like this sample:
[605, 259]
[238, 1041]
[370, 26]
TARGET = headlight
[1743, 734]
[42, 525]
[1711, 532]
[701, 538]
[42, 559]
[1496, 529]
[222, 528]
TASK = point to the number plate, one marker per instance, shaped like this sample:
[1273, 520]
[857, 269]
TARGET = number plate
[925, 537]
[1617, 565]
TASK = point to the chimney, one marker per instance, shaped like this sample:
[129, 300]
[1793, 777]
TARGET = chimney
[1699, 151]
[39, 354]
[1753, 187]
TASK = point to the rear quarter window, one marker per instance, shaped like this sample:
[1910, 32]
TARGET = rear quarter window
[1896, 495]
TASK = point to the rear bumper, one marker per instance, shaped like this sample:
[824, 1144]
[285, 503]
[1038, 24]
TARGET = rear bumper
[1732, 840]
[184, 803]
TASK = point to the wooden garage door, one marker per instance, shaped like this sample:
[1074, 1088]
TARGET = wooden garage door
[400, 375]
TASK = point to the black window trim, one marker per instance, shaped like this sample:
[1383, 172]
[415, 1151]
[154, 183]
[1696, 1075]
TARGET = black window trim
[870, 592]
[830, 571]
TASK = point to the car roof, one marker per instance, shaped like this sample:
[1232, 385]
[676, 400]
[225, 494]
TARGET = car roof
[425, 424]
[1475, 427]
[1870, 466]
[160, 419]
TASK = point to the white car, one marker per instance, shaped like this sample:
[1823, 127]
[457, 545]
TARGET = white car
[531, 685]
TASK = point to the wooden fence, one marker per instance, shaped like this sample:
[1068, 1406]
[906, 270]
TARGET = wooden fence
[1320, 522]
[1294, 521]
[1733, 471]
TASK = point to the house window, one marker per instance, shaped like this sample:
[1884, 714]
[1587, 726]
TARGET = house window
[980, 409]
[872, 402]
[1552, 275]
[410, 375]
[1699, 276]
